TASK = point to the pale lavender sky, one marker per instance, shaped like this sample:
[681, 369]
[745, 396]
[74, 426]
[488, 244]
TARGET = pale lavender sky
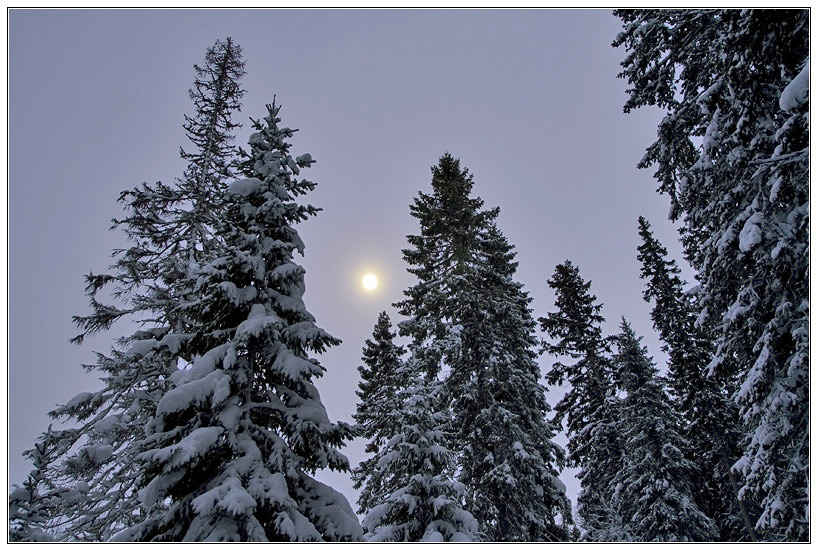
[528, 100]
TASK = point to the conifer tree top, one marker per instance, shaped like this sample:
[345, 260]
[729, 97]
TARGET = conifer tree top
[216, 93]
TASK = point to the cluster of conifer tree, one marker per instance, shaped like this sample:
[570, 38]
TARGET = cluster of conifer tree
[718, 448]
[209, 426]
[458, 425]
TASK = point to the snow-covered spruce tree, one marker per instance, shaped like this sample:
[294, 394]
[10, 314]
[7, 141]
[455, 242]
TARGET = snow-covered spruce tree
[418, 498]
[590, 407]
[500, 408]
[712, 426]
[233, 448]
[654, 488]
[90, 467]
[382, 378]
[732, 154]
[470, 325]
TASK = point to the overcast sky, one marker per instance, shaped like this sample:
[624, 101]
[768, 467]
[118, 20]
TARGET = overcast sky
[528, 100]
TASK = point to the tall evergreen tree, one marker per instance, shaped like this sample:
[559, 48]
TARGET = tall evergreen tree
[589, 408]
[382, 379]
[736, 82]
[654, 488]
[93, 461]
[470, 324]
[712, 421]
[577, 327]
[419, 499]
[232, 449]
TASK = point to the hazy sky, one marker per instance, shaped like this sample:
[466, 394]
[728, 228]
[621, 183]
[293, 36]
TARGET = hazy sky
[528, 100]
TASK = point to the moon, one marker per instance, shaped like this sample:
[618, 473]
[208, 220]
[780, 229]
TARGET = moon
[369, 281]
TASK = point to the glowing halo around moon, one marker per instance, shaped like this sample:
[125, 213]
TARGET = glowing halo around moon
[369, 281]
